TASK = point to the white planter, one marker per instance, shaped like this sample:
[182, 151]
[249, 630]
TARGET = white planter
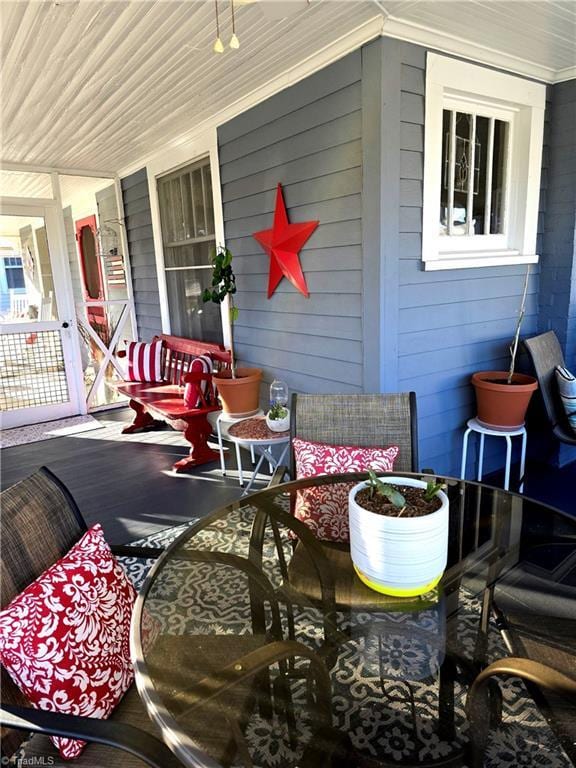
[403, 556]
[278, 425]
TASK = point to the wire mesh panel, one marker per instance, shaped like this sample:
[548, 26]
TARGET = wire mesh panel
[32, 371]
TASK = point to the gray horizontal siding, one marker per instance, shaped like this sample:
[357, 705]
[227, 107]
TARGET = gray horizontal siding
[142, 255]
[558, 294]
[308, 138]
[450, 323]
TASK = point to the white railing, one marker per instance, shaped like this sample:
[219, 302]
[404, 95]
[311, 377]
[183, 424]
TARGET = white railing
[122, 330]
[18, 304]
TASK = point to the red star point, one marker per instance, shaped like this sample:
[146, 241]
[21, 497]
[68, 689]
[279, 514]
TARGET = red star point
[283, 243]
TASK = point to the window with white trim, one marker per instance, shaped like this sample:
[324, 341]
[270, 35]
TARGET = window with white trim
[482, 155]
[188, 237]
[14, 272]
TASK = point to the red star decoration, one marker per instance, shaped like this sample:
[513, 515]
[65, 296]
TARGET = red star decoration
[283, 243]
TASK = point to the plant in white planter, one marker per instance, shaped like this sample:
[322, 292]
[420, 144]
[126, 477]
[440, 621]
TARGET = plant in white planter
[278, 418]
[398, 534]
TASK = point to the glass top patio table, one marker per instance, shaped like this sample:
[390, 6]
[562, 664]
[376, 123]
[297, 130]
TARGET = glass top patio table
[247, 653]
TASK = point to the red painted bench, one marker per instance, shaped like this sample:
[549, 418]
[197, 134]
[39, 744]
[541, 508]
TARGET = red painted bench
[156, 403]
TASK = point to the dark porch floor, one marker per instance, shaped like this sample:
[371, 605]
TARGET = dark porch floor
[126, 482]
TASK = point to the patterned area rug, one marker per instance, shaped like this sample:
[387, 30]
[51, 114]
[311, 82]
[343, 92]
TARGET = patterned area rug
[384, 685]
[34, 433]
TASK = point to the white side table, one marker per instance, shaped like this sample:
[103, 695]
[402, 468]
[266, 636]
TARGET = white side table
[222, 424]
[255, 434]
[474, 425]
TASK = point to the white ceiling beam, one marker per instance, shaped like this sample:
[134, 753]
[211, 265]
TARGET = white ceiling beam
[445, 42]
[6, 165]
[561, 75]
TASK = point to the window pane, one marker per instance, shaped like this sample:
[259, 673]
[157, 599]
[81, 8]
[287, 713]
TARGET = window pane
[209, 199]
[186, 207]
[480, 157]
[189, 231]
[166, 217]
[198, 200]
[189, 316]
[445, 171]
[499, 177]
[15, 277]
[462, 171]
[191, 255]
[177, 211]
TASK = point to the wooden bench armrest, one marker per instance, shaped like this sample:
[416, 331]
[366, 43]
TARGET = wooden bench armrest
[195, 377]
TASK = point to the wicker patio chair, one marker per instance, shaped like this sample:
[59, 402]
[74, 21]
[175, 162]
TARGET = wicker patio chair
[546, 353]
[483, 705]
[318, 572]
[362, 420]
[40, 522]
[538, 630]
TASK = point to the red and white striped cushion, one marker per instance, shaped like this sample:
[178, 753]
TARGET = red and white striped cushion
[202, 364]
[144, 361]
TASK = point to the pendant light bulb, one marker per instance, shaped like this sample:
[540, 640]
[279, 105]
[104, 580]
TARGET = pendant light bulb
[234, 42]
[218, 45]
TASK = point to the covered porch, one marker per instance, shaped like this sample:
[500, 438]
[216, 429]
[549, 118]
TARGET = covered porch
[393, 186]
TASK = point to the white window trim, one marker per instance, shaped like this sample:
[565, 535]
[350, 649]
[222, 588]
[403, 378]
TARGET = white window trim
[202, 146]
[450, 82]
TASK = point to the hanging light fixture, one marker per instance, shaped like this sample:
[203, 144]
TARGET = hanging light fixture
[218, 45]
[234, 42]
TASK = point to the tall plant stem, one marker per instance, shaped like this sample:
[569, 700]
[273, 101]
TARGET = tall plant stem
[515, 340]
[233, 313]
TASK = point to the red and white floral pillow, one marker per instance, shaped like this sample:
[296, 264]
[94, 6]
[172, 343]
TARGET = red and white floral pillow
[144, 361]
[324, 509]
[64, 640]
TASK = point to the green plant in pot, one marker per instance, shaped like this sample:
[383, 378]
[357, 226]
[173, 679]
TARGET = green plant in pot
[238, 388]
[398, 533]
[502, 397]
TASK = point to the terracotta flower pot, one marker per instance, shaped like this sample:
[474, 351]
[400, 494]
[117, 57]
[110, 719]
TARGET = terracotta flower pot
[503, 405]
[240, 397]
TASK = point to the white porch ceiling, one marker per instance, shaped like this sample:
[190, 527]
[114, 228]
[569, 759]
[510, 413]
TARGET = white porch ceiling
[100, 85]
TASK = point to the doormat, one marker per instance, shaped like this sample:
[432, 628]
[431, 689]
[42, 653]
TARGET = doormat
[34, 433]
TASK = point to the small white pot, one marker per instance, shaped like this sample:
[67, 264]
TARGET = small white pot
[402, 556]
[278, 425]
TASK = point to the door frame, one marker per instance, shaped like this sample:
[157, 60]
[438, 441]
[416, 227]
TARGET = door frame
[50, 210]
